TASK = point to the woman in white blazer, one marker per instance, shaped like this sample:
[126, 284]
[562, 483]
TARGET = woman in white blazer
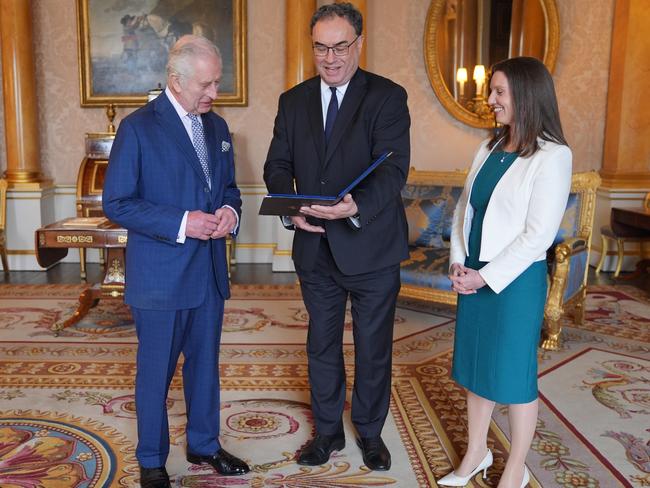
[506, 219]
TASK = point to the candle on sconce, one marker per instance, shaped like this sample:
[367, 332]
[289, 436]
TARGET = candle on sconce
[479, 78]
[461, 78]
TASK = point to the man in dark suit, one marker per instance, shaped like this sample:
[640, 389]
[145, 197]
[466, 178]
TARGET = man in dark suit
[327, 131]
[171, 183]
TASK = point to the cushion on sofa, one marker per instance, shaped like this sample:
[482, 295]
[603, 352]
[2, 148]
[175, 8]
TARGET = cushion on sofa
[429, 212]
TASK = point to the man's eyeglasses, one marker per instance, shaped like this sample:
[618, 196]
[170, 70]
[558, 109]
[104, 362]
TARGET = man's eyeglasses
[321, 50]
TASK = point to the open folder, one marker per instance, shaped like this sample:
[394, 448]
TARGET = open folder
[289, 204]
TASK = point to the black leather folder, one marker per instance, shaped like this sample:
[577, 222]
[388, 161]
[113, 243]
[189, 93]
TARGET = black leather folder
[289, 204]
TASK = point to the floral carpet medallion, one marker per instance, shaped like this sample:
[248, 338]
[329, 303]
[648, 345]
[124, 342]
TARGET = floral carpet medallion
[41, 451]
[67, 411]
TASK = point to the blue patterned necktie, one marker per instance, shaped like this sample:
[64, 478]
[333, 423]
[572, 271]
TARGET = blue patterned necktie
[332, 111]
[198, 139]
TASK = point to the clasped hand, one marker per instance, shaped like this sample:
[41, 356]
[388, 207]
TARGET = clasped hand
[204, 226]
[342, 210]
[464, 280]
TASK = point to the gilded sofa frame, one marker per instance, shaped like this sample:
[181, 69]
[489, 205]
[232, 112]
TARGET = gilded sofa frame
[586, 185]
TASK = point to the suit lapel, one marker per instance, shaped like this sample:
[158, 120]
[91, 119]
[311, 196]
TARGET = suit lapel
[315, 111]
[351, 101]
[169, 119]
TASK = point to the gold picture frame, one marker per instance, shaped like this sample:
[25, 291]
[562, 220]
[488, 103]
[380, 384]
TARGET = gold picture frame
[435, 43]
[123, 51]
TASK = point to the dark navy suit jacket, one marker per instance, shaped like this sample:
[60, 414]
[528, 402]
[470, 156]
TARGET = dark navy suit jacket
[372, 119]
[153, 177]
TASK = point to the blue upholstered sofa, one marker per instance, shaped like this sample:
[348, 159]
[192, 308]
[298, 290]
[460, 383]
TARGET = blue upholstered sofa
[430, 198]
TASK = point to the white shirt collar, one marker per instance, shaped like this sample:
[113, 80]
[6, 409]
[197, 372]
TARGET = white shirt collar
[182, 113]
[326, 96]
[340, 90]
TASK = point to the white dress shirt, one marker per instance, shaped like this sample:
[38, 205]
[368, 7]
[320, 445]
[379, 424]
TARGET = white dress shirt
[187, 124]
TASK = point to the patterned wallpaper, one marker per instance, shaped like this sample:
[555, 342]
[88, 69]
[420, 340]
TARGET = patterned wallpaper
[581, 77]
[394, 39]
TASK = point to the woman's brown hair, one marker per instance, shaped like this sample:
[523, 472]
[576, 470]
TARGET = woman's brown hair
[535, 106]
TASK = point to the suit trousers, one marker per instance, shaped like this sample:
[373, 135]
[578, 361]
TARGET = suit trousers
[373, 296]
[162, 336]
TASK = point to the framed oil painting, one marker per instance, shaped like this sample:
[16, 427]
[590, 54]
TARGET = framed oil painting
[123, 46]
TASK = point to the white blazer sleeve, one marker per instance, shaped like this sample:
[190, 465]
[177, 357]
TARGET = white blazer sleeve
[546, 208]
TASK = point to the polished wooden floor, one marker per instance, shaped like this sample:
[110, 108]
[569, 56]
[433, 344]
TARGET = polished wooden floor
[244, 274]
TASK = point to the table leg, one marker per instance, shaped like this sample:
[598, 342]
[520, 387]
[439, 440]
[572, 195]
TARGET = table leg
[112, 287]
[87, 300]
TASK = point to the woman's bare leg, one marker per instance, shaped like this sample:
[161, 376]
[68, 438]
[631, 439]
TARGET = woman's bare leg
[479, 414]
[523, 421]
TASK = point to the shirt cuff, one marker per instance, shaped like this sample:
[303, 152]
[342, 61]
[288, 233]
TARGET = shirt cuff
[286, 220]
[180, 238]
[356, 220]
[234, 231]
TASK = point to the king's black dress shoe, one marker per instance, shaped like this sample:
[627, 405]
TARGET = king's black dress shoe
[375, 453]
[318, 450]
[154, 478]
[222, 461]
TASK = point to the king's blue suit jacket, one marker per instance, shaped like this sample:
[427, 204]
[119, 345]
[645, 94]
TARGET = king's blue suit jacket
[153, 177]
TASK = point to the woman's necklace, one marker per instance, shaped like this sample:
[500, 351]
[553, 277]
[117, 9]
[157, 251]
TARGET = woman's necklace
[505, 155]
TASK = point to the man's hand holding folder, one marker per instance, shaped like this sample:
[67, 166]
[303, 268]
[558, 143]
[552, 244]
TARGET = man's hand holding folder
[344, 209]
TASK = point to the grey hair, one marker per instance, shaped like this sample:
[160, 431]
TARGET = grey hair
[187, 49]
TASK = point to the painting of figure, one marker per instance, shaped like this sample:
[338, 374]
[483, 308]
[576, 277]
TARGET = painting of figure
[123, 45]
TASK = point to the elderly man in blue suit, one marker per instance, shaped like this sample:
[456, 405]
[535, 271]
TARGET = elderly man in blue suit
[171, 183]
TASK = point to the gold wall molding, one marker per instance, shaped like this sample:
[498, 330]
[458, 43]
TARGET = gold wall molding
[21, 252]
[626, 152]
[298, 52]
[286, 252]
[19, 93]
[625, 180]
[247, 245]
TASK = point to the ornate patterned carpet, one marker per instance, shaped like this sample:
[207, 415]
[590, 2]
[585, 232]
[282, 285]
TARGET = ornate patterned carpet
[67, 411]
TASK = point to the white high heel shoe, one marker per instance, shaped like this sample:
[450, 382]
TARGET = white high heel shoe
[526, 479]
[452, 479]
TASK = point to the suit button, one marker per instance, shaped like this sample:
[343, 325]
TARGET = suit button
[322, 182]
[206, 189]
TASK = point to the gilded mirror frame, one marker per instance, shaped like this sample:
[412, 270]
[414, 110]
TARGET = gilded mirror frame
[436, 10]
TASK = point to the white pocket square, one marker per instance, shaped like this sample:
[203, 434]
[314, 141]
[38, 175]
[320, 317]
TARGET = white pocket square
[225, 146]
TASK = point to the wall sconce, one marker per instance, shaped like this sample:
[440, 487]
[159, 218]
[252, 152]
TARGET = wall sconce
[461, 78]
[478, 104]
[479, 78]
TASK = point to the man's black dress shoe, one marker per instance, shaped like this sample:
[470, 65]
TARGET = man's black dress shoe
[318, 450]
[154, 478]
[225, 463]
[375, 453]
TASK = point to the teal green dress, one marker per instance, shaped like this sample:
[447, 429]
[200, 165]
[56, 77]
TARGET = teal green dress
[495, 344]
